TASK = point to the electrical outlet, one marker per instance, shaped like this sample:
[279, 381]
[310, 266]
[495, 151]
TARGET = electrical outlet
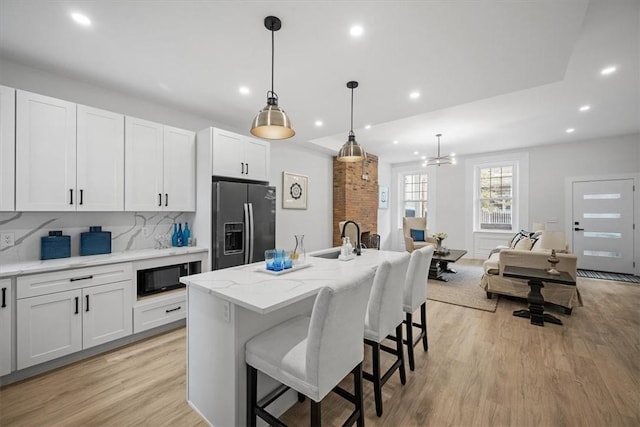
[226, 308]
[7, 239]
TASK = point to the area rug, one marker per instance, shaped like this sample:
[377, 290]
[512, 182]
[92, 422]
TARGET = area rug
[463, 287]
[603, 275]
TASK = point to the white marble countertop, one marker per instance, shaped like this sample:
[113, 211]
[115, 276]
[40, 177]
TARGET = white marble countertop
[251, 287]
[39, 266]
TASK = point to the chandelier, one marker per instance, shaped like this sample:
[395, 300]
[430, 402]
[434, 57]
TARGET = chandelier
[441, 160]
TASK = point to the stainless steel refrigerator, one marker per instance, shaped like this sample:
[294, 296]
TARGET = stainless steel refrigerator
[244, 223]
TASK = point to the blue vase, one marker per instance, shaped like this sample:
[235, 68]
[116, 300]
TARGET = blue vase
[174, 236]
[186, 234]
[180, 237]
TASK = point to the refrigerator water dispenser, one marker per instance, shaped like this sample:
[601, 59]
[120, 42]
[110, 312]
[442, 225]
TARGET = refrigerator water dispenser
[233, 238]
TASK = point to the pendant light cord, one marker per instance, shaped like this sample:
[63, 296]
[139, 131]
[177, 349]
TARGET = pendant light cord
[351, 131]
[272, 56]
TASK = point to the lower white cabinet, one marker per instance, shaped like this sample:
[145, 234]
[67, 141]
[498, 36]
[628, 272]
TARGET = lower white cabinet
[6, 343]
[51, 325]
[159, 311]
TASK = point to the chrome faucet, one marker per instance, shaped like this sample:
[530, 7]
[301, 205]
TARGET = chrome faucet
[358, 248]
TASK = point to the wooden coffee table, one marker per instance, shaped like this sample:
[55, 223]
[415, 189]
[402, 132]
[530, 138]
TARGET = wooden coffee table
[440, 264]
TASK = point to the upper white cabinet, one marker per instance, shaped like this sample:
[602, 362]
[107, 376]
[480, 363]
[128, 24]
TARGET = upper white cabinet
[68, 157]
[159, 167]
[45, 153]
[7, 148]
[239, 156]
[6, 322]
[100, 160]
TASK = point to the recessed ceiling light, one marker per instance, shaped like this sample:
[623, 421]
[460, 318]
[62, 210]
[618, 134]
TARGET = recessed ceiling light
[424, 165]
[585, 108]
[356, 31]
[608, 70]
[423, 157]
[244, 90]
[414, 95]
[570, 130]
[452, 154]
[367, 127]
[396, 142]
[319, 123]
[81, 19]
[416, 153]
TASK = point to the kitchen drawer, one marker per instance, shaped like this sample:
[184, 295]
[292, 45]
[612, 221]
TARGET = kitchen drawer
[162, 310]
[47, 283]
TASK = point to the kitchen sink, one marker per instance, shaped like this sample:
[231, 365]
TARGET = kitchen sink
[328, 255]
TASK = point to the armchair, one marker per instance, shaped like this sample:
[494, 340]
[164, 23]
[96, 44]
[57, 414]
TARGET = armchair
[413, 223]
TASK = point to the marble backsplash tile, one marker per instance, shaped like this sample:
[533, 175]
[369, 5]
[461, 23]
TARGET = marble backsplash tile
[129, 230]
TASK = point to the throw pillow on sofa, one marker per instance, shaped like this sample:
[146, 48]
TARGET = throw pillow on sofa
[417, 235]
[524, 244]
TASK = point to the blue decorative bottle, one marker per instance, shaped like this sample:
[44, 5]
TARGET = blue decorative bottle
[186, 234]
[174, 236]
[180, 237]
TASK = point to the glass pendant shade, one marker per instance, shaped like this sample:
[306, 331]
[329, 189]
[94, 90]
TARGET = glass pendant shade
[351, 151]
[440, 160]
[272, 122]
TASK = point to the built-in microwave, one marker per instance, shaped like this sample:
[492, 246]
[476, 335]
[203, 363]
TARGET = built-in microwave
[165, 278]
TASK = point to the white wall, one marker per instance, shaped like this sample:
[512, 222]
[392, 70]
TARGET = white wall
[316, 221]
[384, 215]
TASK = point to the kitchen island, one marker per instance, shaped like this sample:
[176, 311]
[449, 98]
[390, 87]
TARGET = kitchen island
[228, 307]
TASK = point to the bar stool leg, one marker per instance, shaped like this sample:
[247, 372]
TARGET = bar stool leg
[252, 395]
[409, 341]
[400, 350]
[315, 413]
[423, 315]
[377, 386]
[358, 393]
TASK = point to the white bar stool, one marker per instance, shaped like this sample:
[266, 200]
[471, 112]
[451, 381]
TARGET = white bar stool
[415, 295]
[313, 354]
[384, 314]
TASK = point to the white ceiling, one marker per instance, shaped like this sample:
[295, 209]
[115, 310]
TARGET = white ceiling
[492, 74]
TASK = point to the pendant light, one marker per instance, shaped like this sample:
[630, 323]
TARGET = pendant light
[272, 122]
[441, 160]
[351, 151]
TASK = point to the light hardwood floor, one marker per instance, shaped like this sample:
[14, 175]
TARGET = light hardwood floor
[482, 369]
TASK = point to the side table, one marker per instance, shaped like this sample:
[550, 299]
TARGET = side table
[535, 277]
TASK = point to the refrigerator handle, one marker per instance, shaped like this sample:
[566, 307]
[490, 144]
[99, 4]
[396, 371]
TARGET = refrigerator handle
[247, 220]
[251, 232]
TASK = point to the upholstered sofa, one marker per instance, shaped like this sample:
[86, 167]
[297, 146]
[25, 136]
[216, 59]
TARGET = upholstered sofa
[493, 282]
[417, 224]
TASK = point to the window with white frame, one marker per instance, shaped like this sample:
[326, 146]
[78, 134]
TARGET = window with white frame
[495, 196]
[414, 203]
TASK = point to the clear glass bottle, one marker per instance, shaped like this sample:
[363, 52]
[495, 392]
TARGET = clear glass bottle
[299, 254]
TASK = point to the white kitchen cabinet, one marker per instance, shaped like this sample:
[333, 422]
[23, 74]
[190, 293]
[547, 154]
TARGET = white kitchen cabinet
[239, 156]
[159, 167]
[106, 313]
[7, 148]
[69, 157]
[62, 312]
[48, 327]
[100, 160]
[6, 322]
[45, 153]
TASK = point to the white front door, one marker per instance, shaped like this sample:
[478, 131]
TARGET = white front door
[603, 225]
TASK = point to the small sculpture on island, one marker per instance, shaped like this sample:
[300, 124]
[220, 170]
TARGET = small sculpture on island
[440, 250]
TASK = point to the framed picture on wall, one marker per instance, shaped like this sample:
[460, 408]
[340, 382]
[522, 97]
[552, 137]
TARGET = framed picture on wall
[294, 190]
[383, 201]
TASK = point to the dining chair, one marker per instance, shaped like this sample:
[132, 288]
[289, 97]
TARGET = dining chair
[313, 354]
[384, 316]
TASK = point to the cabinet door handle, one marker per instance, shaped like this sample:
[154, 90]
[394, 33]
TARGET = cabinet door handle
[71, 196]
[76, 306]
[166, 199]
[4, 298]
[173, 309]
[159, 199]
[247, 173]
[81, 195]
[87, 298]
[75, 279]
[242, 166]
